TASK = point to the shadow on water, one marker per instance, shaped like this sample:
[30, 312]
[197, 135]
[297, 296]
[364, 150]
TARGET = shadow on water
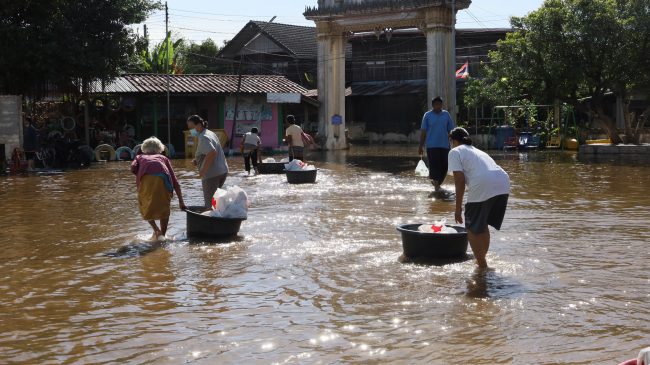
[430, 261]
[444, 195]
[144, 248]
[490, 284]
[215, 241]
[136, 249]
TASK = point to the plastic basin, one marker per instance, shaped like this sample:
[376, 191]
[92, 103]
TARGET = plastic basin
[433, 245]
[202, 226]
[301, 177]
[271, 168]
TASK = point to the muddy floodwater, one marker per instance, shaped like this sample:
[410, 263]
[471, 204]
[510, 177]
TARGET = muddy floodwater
[315, 275]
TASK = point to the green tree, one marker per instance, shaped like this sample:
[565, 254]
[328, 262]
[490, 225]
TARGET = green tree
[66, 42]
[201, 58]
[573, 49]
[164, 57]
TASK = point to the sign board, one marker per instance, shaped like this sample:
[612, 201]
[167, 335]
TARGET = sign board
[11, 122]
[283, 98]
[337, 119]
[244, 127]
[250, 108]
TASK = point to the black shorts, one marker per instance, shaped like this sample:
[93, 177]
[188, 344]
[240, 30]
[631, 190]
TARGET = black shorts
[438, 163]
[490, 212]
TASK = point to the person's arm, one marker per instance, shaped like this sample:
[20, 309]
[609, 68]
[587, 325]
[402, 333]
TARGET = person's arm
[459, 179]
[175, 184]
[450, 124]
[289, 140]
[209, 159]
[179, 194]
[423, 135]
[135, 165]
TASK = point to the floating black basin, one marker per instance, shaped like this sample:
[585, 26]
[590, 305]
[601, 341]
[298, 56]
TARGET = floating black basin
[271, 168]
[203, 226]
[433, 245]
[302, 177]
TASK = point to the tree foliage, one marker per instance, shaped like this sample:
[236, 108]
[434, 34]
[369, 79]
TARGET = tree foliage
[63, 41]
[568, 50]
[184, 57]
[201, 58]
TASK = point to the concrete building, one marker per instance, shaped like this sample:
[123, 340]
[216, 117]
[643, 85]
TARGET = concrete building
[337, 20]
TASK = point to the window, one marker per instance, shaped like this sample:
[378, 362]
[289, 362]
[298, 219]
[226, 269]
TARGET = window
[280, 68]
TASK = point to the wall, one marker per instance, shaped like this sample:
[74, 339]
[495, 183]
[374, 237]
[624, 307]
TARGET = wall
[11, 122]
[253, 110]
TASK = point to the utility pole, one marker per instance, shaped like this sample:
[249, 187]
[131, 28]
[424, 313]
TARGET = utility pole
[168, 40]
[239, 80]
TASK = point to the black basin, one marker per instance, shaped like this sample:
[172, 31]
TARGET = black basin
[302, 177]
[271, 168]
[433, 245]
[202, 226]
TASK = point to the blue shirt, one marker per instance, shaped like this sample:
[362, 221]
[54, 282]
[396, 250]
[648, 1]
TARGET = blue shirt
[437, 127]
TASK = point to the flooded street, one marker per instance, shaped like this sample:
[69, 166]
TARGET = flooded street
[315, 276]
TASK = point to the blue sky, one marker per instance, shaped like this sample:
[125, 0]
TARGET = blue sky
[220, 20]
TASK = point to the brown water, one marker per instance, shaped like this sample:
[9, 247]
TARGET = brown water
[315, 275]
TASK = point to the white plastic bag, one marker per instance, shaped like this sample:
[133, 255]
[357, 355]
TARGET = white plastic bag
[269, 160]
[297, 165]
[230, 203]
[285, 160]
[421, 169]
[437, 227]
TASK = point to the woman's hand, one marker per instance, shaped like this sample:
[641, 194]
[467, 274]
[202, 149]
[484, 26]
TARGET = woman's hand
[181, 204]
[459, 216]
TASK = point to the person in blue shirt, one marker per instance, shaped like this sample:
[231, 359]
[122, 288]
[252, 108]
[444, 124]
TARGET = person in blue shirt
[436, 125]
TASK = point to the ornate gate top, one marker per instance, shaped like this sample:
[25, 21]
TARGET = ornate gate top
[339, 8]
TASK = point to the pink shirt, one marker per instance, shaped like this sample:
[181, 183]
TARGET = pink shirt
[153, 165]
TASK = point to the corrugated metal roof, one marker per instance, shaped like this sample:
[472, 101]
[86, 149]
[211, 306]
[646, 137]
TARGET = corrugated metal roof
[198, 84]
[313, 93]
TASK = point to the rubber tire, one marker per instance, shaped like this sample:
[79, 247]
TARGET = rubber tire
[122, 149]
[104, 147]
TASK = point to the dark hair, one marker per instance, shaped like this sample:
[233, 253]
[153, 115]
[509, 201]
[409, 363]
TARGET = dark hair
[461, 135]
[255, 130]
[291, 119]
[437, 98]
[198, 120]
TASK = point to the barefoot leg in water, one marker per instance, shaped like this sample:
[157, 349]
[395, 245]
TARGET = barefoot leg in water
[156, 230]
[436, 185]
[164, 223]
[480, 244]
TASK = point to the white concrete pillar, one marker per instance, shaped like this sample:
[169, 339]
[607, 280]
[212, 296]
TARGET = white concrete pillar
[441, 57]
[331, 86]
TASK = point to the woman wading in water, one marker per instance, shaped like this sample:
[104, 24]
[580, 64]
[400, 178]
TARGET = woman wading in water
[156, 184]
[210, 159]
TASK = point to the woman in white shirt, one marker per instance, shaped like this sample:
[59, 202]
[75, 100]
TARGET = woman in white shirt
[488, 190]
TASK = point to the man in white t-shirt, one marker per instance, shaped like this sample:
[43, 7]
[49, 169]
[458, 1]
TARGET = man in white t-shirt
[294, 139]
[250, 149]
[488, 190]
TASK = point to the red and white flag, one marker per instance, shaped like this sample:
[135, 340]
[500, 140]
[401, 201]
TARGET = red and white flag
[463, 72]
